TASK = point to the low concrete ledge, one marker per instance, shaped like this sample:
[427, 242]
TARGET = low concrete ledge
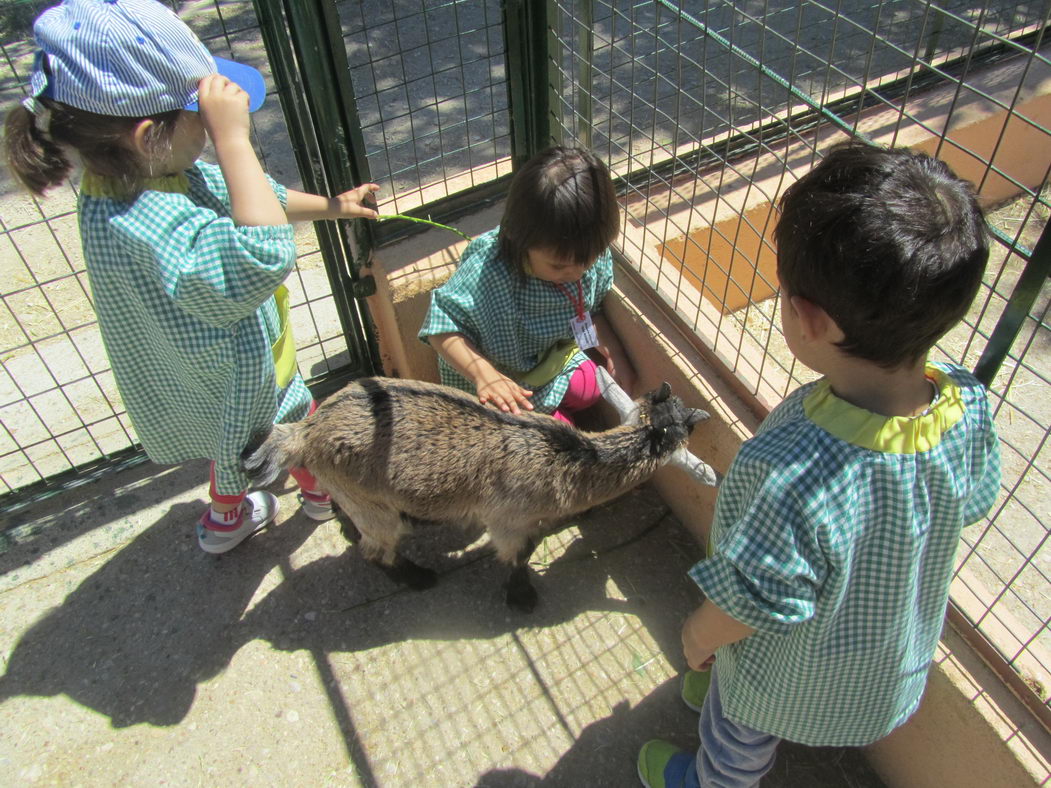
[969, 732]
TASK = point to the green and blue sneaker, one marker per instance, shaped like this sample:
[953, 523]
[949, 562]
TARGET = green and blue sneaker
[695, 685]
[663, 765]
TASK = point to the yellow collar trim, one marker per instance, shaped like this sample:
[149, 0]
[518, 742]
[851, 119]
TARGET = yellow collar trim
[889, 434]
[100, 186]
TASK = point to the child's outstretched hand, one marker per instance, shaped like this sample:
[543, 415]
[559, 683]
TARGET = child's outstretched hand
[504, 393]
[356, 203]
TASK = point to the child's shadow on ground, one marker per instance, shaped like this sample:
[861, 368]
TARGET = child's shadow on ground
[605, 752]
[135, 638]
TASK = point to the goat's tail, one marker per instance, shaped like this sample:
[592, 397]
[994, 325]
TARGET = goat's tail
[269, 453]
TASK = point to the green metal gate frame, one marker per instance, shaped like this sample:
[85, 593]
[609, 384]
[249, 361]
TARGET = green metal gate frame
[307, 56]
[309, 66]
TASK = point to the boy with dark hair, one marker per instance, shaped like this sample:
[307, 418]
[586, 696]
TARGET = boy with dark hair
[835, 529]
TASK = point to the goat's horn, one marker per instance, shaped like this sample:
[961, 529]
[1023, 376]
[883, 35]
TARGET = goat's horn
[662, 393]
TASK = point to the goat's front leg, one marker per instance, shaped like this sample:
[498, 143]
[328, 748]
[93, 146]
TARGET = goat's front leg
[515, 549]
[521, 595]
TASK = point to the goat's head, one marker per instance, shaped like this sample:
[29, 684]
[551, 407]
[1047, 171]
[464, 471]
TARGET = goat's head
[670, 420]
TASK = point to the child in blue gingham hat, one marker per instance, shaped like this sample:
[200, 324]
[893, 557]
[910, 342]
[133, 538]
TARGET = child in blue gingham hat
[129, 58]
[186, 259]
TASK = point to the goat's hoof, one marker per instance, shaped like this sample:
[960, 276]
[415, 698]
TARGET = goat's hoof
[521, 598]
[416, 577]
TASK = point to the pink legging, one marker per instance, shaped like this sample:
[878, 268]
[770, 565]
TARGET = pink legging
[583, 392]
[304, 478]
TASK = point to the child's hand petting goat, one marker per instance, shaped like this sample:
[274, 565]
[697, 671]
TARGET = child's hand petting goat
[389, 451]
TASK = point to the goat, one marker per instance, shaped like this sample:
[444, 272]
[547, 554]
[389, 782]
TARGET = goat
[393, 451]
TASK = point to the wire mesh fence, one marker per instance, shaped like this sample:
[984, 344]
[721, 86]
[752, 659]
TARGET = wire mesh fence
[430, 85]
[708, 111]
[60, 412]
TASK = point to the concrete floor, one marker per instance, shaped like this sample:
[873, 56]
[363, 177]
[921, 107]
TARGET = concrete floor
[131, 657]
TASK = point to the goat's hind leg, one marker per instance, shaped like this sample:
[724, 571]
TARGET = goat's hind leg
[377, 531]
[409, 573]
[515, 549]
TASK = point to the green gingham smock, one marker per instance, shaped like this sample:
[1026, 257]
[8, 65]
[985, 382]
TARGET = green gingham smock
[834, 536]
[511, 320]
[185, 306]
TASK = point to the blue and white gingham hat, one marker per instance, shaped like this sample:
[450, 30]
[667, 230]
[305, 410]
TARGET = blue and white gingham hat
[129, 58]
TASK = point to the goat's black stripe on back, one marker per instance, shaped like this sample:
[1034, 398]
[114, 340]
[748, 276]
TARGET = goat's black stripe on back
[380, 395]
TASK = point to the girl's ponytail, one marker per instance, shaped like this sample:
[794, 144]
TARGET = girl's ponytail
[34, 157]
[42, 160]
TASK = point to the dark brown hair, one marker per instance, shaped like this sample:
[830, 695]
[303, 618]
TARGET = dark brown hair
[41, 160]
[562, 200]
[890, 243]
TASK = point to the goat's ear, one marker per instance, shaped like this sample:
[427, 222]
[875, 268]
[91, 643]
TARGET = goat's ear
[662, 394]
[696, 417]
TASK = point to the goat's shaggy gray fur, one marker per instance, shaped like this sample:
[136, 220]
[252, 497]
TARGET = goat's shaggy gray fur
[389, 451]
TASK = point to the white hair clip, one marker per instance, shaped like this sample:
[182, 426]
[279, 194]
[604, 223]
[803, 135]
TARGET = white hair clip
[41, 114]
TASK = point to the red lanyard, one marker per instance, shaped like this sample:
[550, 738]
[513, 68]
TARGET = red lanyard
[578, 302]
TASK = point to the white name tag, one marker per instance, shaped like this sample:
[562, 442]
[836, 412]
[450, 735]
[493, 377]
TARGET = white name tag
[584, 331]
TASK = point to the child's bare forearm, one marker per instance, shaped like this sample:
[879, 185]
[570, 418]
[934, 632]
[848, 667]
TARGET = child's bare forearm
[461, 356]
[353, 204]
[304, 207]
[224, 113]
[706, 629]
